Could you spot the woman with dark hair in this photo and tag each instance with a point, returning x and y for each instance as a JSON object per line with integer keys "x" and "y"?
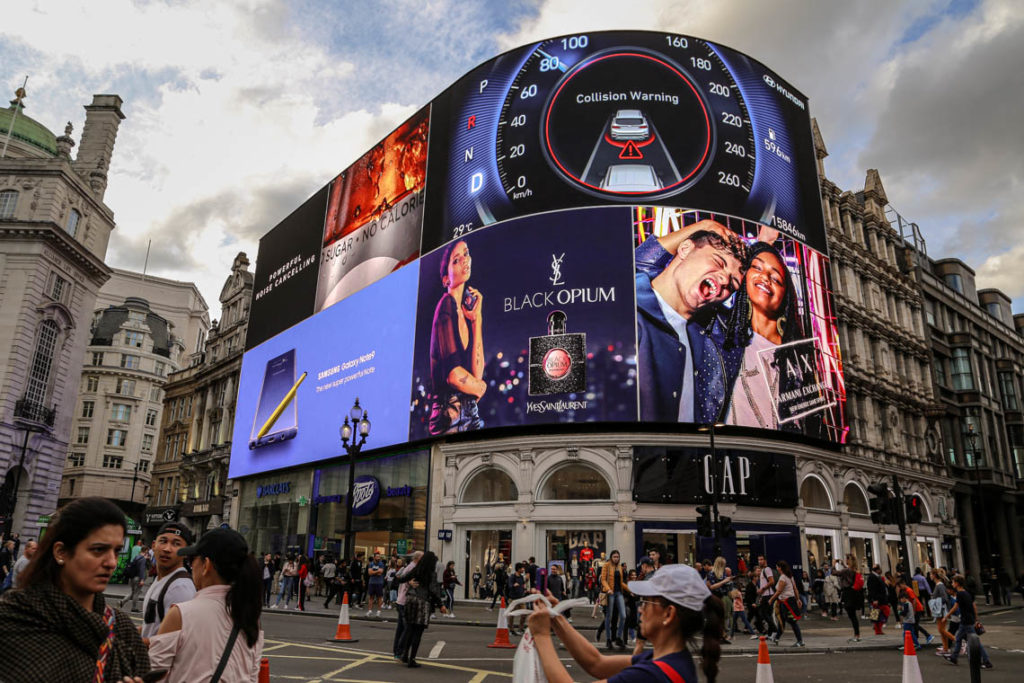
{"x": 198, "y": 639}
{"x": 764, "y": 315}
{"x": 787, "y": 600}
{"x": 456, "y": 348}
{"x": 55, "y": 625}
{"x": 674, "y": 607}
{"x": 424, "y": 597}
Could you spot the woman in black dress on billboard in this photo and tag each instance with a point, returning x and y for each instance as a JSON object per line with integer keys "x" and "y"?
{"x": 456, "y": 347}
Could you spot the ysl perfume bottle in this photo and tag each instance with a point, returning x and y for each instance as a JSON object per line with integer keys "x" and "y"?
{"x": 558, "y": 361}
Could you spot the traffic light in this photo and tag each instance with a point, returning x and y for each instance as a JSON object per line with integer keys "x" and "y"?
{"x": 914, "y": 510}
{"x": 725, "y": 529}
{"x": 881, "y": 504}
{"x": 704, "y": 521}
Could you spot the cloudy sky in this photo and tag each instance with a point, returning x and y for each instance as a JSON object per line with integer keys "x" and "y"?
{"x": 237, "y": 111}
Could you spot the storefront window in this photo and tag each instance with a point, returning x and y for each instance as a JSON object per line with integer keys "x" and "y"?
{"x": 673, "y": 547}
{"x": 819, "y": 551}
{"x": 855, "y": 502}
{"x": 274, "y": 515}
{"x": 863, "y": 551}
{"x": 490, "y": 486}
{"x": 576, "y": 482}
{"x": 483, "y": 549}
{"x": 814, "y": 495}
{"x": 395, "y": 524}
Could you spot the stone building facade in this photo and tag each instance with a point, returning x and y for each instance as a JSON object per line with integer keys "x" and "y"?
{"x": 137, "y": 341}
{"x": 189, "y": 480}
{"x": 977, "y": 357}
{"x": 54, "y": 230}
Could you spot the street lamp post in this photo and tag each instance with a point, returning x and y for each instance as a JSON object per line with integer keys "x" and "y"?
{"x": 716, "y": 526}
{"x": 972, "y": 436}
{"x": 135, "y": 478}
{"x": 11, "y": 505}
{"x": 352, "y": 447}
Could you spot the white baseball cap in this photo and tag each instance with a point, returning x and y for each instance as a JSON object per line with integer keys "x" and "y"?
{"x": 678, "y": 583}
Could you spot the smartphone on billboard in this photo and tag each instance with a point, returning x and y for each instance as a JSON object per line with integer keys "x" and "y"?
{"x": 276, "y": 413}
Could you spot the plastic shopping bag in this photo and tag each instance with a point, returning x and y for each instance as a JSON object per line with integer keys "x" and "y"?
{"x": 526, "y": 666}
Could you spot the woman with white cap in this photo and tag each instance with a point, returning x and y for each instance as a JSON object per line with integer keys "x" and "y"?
{"x": 674, "y": 606}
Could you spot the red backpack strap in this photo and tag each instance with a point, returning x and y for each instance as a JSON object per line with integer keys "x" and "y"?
{"x": 672, "y": 674}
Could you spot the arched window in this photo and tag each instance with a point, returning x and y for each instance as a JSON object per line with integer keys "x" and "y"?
{"x": 814, "y": 495}
{"x": 855, "y": 501}
{"x": 490, "y": 486}
{"x": 576, "y": 482}
{"x": 73, "y": 218}
{"x": 42, "y": 363}
{"x": 8, "y": 201}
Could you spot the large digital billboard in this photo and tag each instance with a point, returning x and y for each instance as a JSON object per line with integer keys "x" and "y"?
{"x": 613, "y": 227}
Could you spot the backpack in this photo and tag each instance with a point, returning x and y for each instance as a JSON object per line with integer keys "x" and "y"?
{"x": 858, "y": 582}
{"x": 180, "y": 573}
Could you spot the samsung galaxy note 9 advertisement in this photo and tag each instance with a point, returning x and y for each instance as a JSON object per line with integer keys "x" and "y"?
{"x": 613, "y": 227}
{"x": 297, "y": 388}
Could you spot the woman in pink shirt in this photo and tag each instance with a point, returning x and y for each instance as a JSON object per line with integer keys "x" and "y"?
{"x": 216, "y": 636}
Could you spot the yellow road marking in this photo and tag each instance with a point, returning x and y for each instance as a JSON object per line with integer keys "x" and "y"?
{"x": 352, "y": 665}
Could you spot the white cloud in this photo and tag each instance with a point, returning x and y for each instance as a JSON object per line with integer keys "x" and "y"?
{"x": 222, "y": 101}
{"x": 237, "y": 111}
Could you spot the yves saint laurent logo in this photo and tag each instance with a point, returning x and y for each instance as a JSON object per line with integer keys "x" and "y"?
{"x": 556, "y": 270}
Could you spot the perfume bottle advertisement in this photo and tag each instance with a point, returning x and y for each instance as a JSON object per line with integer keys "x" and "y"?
{"x": 296, "y": 388}
{"x": 734, "y": 325}
{"x": 530, "y": 322}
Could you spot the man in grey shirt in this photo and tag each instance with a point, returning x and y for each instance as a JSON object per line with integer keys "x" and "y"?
{"x": 173, "y": 582}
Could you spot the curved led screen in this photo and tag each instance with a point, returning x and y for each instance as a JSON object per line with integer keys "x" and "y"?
{"x": 605, "y": 227}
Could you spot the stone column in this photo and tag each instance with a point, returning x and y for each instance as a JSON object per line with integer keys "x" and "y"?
{"x": 1005, "y": 549}
{"x": 970, "y": 536}
{"x": 1018, "y": 542}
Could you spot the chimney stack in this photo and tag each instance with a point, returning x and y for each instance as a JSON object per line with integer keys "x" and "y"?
{"x": 102, "y": 119}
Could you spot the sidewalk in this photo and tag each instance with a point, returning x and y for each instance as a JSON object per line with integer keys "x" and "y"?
{"x": 820, "y": 635}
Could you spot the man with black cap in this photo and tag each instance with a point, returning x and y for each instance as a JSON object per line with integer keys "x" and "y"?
{"x": 173, "y": 583}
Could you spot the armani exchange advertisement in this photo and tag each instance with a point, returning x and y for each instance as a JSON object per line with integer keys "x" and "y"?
{"x": 611, "y": 227}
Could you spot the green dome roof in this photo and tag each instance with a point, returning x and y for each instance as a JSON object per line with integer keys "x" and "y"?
{"x": 27, "y": 130}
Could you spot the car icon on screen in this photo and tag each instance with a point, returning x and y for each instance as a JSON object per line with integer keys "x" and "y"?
{"x": 630, "y": 124}
{"x": 630, "y": 178}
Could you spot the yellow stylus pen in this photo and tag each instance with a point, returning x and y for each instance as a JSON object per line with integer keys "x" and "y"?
{"x": 280, "y": 408}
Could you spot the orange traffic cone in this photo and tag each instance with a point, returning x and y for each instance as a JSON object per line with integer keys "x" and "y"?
{"x": 264, "y": 671}
{"x": 911, "y": 667}
{"x": 501, "y": 635}
{"x": 764, "y": 664}
{"x": 343, "y": 634}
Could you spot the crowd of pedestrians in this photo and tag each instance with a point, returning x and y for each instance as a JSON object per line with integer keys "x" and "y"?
{"x": 201, "y": 610}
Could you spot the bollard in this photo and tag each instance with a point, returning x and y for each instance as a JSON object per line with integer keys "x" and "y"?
{"x": 974, "y": 656}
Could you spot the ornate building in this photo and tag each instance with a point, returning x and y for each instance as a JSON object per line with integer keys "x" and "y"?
{"x": 54, "y": 229}
{"x": 189, "y": 479}
{"x": 977, "y": 353}
{"x": 136, "y": 343}
{"x": 893, "y": 420}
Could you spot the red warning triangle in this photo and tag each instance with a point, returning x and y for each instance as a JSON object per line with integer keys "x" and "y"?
{"x": 631, "y": 151}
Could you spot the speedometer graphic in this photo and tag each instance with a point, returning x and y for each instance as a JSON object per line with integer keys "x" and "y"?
{"x": 620, "y": 117}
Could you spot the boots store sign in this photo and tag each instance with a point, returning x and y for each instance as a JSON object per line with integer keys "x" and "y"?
{"x": 687, "y": 475}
